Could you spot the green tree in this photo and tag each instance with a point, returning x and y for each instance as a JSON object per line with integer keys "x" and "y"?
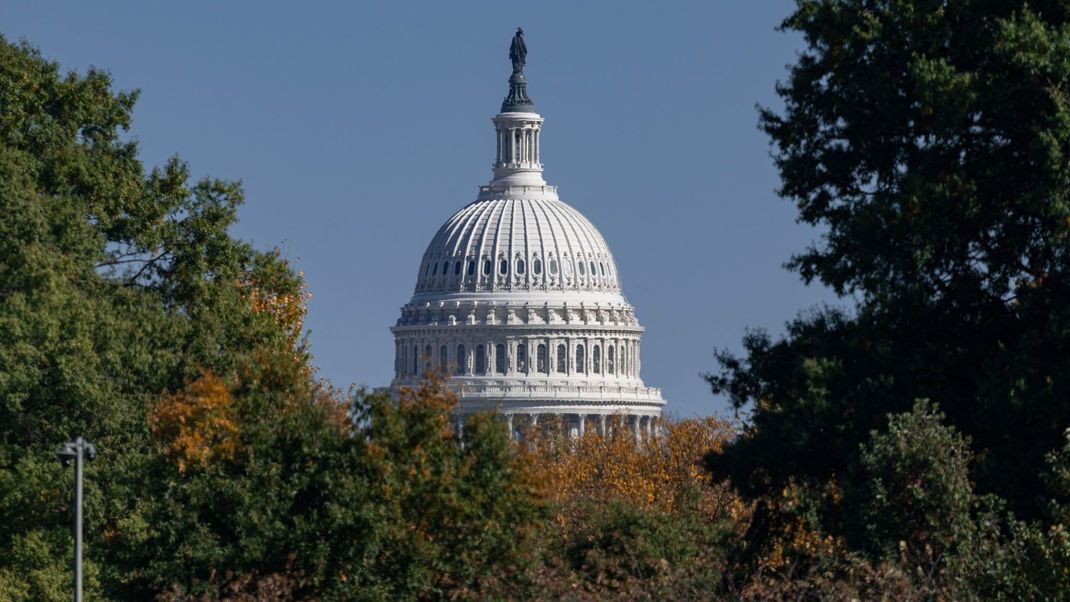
{"x": 928, "y": 141}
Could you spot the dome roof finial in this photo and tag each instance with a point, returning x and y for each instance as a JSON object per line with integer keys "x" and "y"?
{"x": 517, "y": 101}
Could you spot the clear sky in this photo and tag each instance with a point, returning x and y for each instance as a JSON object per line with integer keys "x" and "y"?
{"x": 359, "y": 128}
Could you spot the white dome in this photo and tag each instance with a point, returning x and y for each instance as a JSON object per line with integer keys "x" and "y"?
{"x": 518, "y": 300}
{"x": 517, "y": 244}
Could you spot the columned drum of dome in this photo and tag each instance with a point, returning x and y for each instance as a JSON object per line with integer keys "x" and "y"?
{"x": 518, "y": 299}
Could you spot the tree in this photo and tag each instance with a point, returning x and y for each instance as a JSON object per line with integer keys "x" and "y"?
{"x": 928, "y": 141}
{"x": 117, "y": 286}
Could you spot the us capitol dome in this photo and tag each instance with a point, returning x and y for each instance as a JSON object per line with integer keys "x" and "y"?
{"x": 518, "y": 298}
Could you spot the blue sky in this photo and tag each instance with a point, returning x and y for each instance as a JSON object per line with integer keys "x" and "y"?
{"x": 358, "y": 128}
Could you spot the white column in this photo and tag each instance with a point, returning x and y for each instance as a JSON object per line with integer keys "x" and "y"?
{"x": 583, "y": 419}
{"x": 509, "y": 424}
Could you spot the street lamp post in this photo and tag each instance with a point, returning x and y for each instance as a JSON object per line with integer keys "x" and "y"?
{"x": 77, "y": 451}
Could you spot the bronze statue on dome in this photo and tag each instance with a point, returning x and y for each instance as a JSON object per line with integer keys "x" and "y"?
{"x": 518, "y": 51}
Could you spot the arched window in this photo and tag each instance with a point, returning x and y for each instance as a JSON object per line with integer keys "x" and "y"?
{"x": 536, "y": 267}
{"x": 443, "y": 360}
{"x": 609, "y": 359}
{"x": 519, "y": 266}
{"x": 404, "y": 360}
{"x": 427, "y": 270}
{"x": 580, "y": 266}
{"x": 596, "y": 360}
{"x": 434, "y": 269}
{"x": 471, "y": 267}
{"x": 457, "y": 268}
{"x": 562, "y": 359}
{"x": 462, "y": 360}
{"x": 499, "y": 358}
{"x": 522, "y": 357}
{"x": 428, "y": 358}
{"x": 581, "y": 359}
{"x": 602, "y": 268}
{"x": 593, "y": 272}
{"x": 624, "y": 361}
{"x": 503, "y": 266}
{"x": 445, "y": 267}
{"x": 542, "y": 362}
{"x": 553, "y": 267}
{"x": 486, "y": 267}
{"x": 415, "y": 360}
{"x": 566, "y": 268}
{"x": 481, "y": 360}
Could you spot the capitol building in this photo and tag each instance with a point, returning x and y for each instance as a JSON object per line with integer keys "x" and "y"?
{"x": 518, "y": 299}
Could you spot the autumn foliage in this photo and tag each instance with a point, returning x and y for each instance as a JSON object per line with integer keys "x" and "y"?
{"x": 657, "y": 473}
{"x": 198, "y": 424}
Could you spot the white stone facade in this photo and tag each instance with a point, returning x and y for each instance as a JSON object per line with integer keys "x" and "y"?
{"x": 518, "y": 301}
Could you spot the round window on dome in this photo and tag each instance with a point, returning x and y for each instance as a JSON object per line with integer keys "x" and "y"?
{"x": 553, "y": 266}
{"x": 520, "y": 266}
{"x": 471, "y": 267}
{"x": 593, "y": 271}
{"x": 602, "y": 268}
{"x": 503, "y": 267}
{"x": 567, "y": 267}
{"x": 580, "y": 266}
{"x": 536, "y": 267}
{"x": 457, "y": 268}
{"x": 486, "y": 267}
{"x": 445, "y": 267}
{"x": 434, "y": 270}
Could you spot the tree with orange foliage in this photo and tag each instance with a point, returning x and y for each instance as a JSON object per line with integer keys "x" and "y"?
{"x": 631, "y": 519}
{"x": 197, "y": 425}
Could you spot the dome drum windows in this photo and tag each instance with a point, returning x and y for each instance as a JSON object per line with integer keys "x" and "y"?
{"x": 462, "y": 360}
{"x": 536, "y": 267}
{"x": 520, "y": 266}
{"x": 443, "y": 360}
{"x": 503, "y": 267}
{"x": 481, "y": 359}
{"x": 542, "y": 361}
{"x": 609, "y": 359}
{"x": 562, "y": 359}
{"x": 499, "y": 358}
{"x": 596, "y": 360}
{"x": 522, "y": 357}
{"x": 581, "y": 359}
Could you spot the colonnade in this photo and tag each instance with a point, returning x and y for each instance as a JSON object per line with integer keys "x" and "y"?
{"x": 518, "y": 146}
{"x": 519, "y": 357}
{"x": 576, "y": 425}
